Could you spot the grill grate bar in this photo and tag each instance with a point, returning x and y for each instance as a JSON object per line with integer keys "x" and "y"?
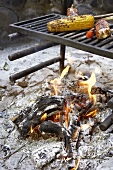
{"x": 39, "y": 19}
{"x": 106, "y": 41}
{"x": 37, "y": 23}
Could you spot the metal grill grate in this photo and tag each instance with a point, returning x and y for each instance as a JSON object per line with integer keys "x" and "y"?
{"x": 38, "y": 27}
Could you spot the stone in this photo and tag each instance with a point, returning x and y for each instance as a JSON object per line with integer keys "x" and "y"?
{"x": 7, "y": 17}
{"x": 84, "y": 9}
{"x": 18, "y": 4}
{"x": 108, "y": 5}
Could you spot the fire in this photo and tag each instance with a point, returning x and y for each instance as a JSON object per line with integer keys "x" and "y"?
{"x": 77, "y": 163}
{"x": 88, "y": 85}
{"x": 92, "y": 113}
{"x": 57, "y": 81}
{"x": 31, "y": 129}
{"x": 44, "y": 117}
{"x": 67, "y": 110}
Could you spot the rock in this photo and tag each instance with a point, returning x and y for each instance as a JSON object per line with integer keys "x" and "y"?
{"x": 22, "y": 84}
{"x": 84, "y": 9}
{"x": 108, "y": 5}
{"x": 2, "y": 107}
{"x": 18, "y": 4}
{"x": 7, "y": 17}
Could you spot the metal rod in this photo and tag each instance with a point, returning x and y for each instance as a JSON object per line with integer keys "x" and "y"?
{"x": 107, "y": 123}
{"x": 33, "y": 69}
{"x": 65, "y": 5}
{"x": 62, "y": 57}
{"x": 15, "y": 36}
{"x": 103, "y": 15}
{"x": 30, "y": 50}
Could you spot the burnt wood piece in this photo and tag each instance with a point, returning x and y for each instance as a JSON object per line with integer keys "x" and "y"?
{"x": 51, "y": 127}
{"x": 30, "y": 50}
{"x": 99, "y": 90}
{"x": 86, "y": 109}
{"x": 107, "y": 123}
{"x": 33, "y": 69}
{"x": 46, "y": 104}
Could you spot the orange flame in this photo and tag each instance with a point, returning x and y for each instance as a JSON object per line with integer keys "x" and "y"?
{"x": 57, "y": 81}
{"x": 92, "y": 113}
{"x": 31, "y": 129}
{"x": 77, "y": 163}
{"x": 89, "y": 83}
{"x": 67, "y": 111}
{"x": 44, "y": 117}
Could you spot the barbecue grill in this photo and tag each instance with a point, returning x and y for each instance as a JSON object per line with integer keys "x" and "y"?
{"x": 37, "y": 27}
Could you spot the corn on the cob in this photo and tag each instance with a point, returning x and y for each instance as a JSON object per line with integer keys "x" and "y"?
{"x": 71, "y": 23}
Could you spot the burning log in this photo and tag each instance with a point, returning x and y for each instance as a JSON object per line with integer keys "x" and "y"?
{"x": 43, "y": 108}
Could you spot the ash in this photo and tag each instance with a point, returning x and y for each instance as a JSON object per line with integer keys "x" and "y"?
{"x": 93, "y": 147}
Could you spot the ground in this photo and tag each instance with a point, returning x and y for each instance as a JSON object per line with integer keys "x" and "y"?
{"x": 16, "y": 95}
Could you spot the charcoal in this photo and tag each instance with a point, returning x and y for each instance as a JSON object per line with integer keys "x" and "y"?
{"x": 51, "y": 127}
{"x": 32, "y": 116}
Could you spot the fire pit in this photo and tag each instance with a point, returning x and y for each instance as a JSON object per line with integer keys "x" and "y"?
{"x": 72, "y": 114}
{"x": 77, "y": 115}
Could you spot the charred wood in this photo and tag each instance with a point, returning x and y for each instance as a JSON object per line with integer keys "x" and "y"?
{"x": 51, "y": 127}
{"x": 32, "y": 117}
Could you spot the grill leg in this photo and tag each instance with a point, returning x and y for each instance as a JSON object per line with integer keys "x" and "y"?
{"x": 62, "y": 57}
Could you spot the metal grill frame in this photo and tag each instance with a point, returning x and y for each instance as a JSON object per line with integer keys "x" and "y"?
{"x": 37, "y": 27}
{"x": 75, "y": 39}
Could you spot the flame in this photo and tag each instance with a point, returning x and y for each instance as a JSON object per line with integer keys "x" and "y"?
{"x": 57, "y": 81}
{"x": 75, "y": 134}
{"x": 64, "y": 72}
{"x": 67, "y": 111}
{"x": 88, "y": 84}
{"x": 44, "y": 117}
{"x": 92, "y": 113}
{"x": 31, "y": 129}
{"x": 77, "y": 163}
